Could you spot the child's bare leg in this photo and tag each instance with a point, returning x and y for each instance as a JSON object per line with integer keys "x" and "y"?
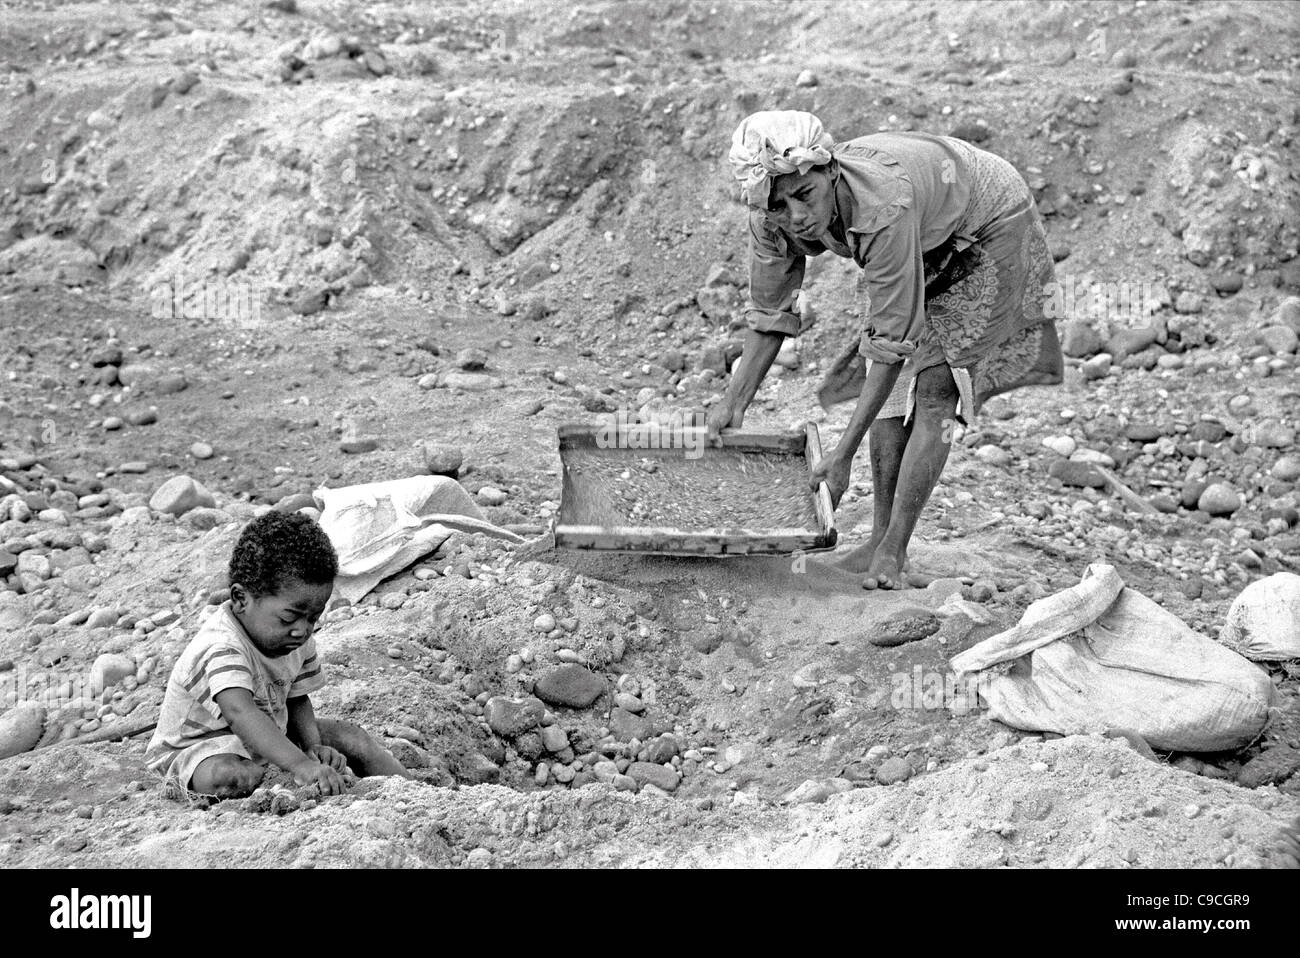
{"x": 886, "y": 441}
{"x": 923, "y": 462}
{"x": 227, "y": 776}
{"x": 365, "y": 755}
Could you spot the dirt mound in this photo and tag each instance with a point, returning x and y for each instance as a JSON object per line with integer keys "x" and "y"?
{"x": 1078, "y": 802}
{"x": 302, "y": 184}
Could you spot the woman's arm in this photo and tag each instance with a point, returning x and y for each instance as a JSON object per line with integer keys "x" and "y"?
{"x": 893, "y": 276}
{"x": 836, "y": 468}
{"x": 875, "y": 390}
{"x": 776, "y": 273}
{"x": 759, "y": 353}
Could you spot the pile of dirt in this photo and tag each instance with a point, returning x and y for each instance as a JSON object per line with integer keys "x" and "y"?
{"x": 1079, "y": 802}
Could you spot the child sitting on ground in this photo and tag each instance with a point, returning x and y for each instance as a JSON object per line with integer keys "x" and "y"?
{"x": 238, "y": 696}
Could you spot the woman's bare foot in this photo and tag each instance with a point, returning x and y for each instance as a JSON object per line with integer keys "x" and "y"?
{"x": 860, "y": 559}
{"x": 886, "y": 572}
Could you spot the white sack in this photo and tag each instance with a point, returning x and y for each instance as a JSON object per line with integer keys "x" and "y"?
{"x": 1264, "y": 621}
{"x": 1133, "y": 665}
{"x": 380, "y": 528}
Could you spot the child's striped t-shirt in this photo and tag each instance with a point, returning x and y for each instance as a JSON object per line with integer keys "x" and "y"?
{"x": 221, "y": 656}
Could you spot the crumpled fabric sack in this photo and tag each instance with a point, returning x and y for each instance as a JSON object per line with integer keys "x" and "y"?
{"x": 1102, "y": 656}
{"x": 1263, "y": 622}
{"x": 380, "y": 528}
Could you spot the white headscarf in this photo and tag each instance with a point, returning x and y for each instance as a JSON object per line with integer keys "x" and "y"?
{"x": 773, "y": 143}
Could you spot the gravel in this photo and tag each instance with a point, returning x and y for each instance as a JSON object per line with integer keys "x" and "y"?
{"x": 722, "y": 489}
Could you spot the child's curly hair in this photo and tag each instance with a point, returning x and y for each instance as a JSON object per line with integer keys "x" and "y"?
{"x": 279, "y": 547}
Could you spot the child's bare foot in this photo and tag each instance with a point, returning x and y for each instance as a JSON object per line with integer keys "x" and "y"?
{"x": 366, "y": 757}
{"x": 227, "y": 776}
{"x": 885, "y": 572}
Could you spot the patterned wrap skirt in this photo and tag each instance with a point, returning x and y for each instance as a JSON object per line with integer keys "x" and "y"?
{"x": 984, "y": 300}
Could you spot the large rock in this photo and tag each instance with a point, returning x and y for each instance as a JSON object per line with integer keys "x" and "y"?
{"x": 1207, "y": 430}
{"x": 103, "y": 618}
{"x": 170, "y": 383}
{"x": 569, "y": 685}
{"x": 109, "y": 669}
{"x": 137, "y": 374}
{"x": 893, "y": 770}
{"x": 1286, "y": 469}
{"x": 720, "y": 274}
{"x": 1192, "y": 490}
{"x": 471, "y": 382}
{"x": 1142, "y": 432}
{"x": 706, "y": 639}
{"x": 106, "y": 356}
{"x": 717, "y": 302}
{"x": 661, "y": 750}
{"x": 20, "y": 729}
{"x": 1263, "y": 622}
{"x": 358, "y": 446}
{"x": 1097, "y": 367}
{"x": 295, "y": 501}
{"x": 203, "y": 518}
{"x": 442, "y": 460}
{"x": 35, "y": 564}
{"x": 1226, "y": 282}
{"x": 179, "y": 494}
{"x": 554, "y": 738}
{"x": 13, "y": 611}
{"x": 1080, "y": 340}
{"x": 1129, "y": 342}
{"x": 1080, "y": 475}
{"x": 647, "y": 773}
{"x": 1274, "y": 435}
{"x": 625, "y": 726}
{"x": 1281, "y": 340}
{"x": 1219, "y": 499}
{"x": 475, "y": 769}
{"x": 509, "y": 717}
{"x": 311, "y": 300}
{"x": 1189, "y": 330}
{"x": 472, "y": 359}
{"x": 814, "y": 792}
{"x": 1061, "y": 445}
{"x": 1288, "y": 313}
{"x": 1272, "y": 765}
{"x": 905, "y": 625}
{"x": 529, "y": 746}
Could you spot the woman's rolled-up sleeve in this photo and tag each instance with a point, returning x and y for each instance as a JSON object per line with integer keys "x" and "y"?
{"x": 894, "y": 279}
{"x": 775, "y": 276}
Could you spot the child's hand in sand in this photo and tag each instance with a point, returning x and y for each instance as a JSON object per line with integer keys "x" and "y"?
{"x": 312, "y": 772}
{"x": 329, "y": 756}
